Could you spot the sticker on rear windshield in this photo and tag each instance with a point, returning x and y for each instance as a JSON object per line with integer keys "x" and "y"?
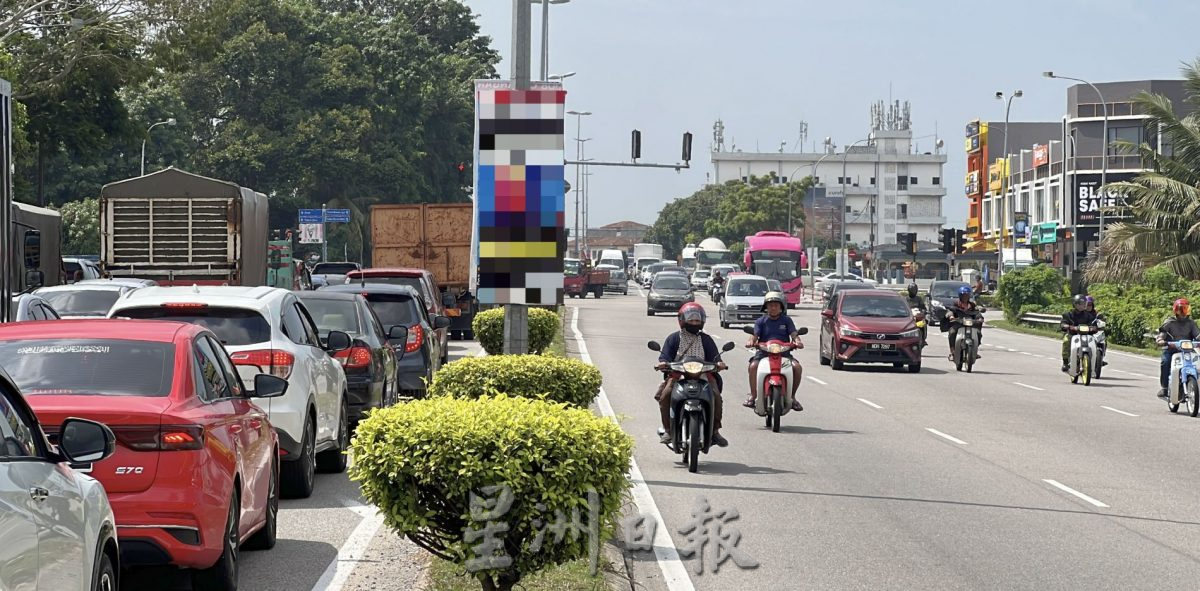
{"x": 63, "y": 349}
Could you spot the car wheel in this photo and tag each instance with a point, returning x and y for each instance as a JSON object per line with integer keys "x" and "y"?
{"x": 649, "y": 312}
{"x": 223, "y": 575}
{"x": 334, "y": 461}
{"x": 914, "y": 368}
{"x": 297, "y": 475}
{"x": 106, "y": 575}
{"x": 264, "y": 539}
{"x": 837, "y": 364}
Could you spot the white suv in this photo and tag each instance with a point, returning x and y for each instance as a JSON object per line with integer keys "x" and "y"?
{"x": 268, "y": 330}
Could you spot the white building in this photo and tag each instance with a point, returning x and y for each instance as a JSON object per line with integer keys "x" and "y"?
{"x": 888, "y": 188}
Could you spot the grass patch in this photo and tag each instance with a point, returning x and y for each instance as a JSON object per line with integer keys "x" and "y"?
{"x": 558, "y": 347}
{"x": 1054, "y": 334}
{"x": 572, "y": 576}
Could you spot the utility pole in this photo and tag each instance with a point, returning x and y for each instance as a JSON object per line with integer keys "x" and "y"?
{"x": 516, "y": 316}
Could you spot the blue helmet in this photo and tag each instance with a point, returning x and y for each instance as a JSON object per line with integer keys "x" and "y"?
{"x": 964, "y": 291}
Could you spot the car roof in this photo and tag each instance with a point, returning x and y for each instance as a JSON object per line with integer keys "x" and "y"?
{"x": 165, "y": 331}
{"x": 359, "y": 288}
{"x": 81, "y": 286}
{"x": 127, "y": 281}
{"x": 401, "y": 271}
{"x": 328, "y": 294}
{"x": 743, "y": 277}
{"x": 257, "y": 298}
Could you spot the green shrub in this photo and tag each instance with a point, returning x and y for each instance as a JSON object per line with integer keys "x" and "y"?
{"x": 420, "y": 461}
{"x": 555, "y": 379}
{"x": 489, "y": 329}
{"x": 1037, "y": 284}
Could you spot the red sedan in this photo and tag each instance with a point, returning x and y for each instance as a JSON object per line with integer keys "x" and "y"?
{"x": 196, "y": 472}
{"x": 869, "y": 326}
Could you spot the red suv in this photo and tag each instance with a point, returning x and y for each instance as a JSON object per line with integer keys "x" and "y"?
{"x": 195, "y": 474}
{"x": 869, "y": 326}
{"x": 420, "y": 280}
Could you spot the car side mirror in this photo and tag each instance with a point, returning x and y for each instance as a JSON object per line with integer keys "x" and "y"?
{"x": 748, "y": 329}
{"x": 269, "y": 386}
{"x": 82, "y": 441}
{"x": 653, "y": 346}
{"x": 337, "y": 341}
{"x": 728, "y": 346}
{"x": 827, "y": 313}
{"x": 803, "y": 330}
{"x": 441, "y": 321}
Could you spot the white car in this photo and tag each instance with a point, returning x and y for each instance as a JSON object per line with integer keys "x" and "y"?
{"x": 268, "y": 330}
{"x": 88, "y": 269}
{"x": 700, "y": 279}
{"x": 26, "y": 307}
{"x": 85, "y": 299}
{"x": 743, "y": 299}
{"x": 59, "y": 530}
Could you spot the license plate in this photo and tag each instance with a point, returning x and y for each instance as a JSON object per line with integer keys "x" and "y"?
{"x": 881, "y": 346}
{"x": 747, "y": 316}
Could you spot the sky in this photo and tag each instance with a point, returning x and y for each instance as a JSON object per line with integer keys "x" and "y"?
{"x": 763, "y": 66}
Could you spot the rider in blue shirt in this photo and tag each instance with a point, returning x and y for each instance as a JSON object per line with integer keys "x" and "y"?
{"x": 774, "y": 326}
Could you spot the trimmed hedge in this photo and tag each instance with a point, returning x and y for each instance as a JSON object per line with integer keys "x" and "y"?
{"x": 1037, "y": 285}
{"x": 489, "y": 329}
{"x": 419, "y": 462}
{"x": 555, "y": 379}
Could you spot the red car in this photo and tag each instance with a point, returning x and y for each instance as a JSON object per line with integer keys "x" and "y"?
{"x": 869, "y": 326}
{"x": 195, "y": 474}
{"x": 421, "y": 280}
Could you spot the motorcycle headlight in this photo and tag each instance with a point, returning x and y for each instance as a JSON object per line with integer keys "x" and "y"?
{"x": 775, "y": 348}
{"x": 968, "y": 323}
{"x": 1187, "y": 346}
{"x": 693, "y": 367}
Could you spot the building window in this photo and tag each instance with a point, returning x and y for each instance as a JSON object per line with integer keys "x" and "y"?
{"x": 848, "y": 238}
{"x": 848, "y": 210}
{"x": 1054, "y": 202}
{"x": 937, "y": 180}
{"x": 902, "y": 211}
{"x": 1127, "y": 134}
{"x": 912, "y": 180}
{"x": 902, "y": 183}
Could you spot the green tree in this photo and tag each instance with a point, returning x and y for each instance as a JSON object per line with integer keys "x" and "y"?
{"x": 1165, "y": 201}
{"x": 81, "y": 226}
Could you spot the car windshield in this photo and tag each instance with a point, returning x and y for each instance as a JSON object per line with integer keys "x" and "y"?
{"x": 90, "y": 366}
{"x": 701, "y": 274}
{"x": 334, "y": 268}
{"x": 83, "y": 302}
{"x": 676, "y": 282}
{"x": 234, "y": 327}
{"x": 748, "y": 288}
{"x": 880, "y": 306}
{"x": 946, "y": 291}
{"x": 393, "y": 309}
{"x": 334, "y": 315}
{"x": 572, "y": 267}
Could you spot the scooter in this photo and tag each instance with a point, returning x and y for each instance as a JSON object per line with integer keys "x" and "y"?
{"x": 715, "y": 290}
{"x": 774, "y": 380}
{"x": 966, "y": 345}
{"x": 1184, "y": 383}
{"x": 1101, "y": 346}
{"x": 922, "y": 325}
{"x": 692, "y": 405}
{"x": 1083, "y": 353}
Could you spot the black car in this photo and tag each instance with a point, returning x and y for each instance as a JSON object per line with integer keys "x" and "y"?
{"x": 942, "y": 295}
{"x": 668, "y": 292}
{"x": 401, "y": 305}
{"x": 370, "y": 363}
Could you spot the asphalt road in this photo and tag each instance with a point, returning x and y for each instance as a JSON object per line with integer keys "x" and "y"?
{"x": 1006, "y": 478}
{"x": 327, "y": 542}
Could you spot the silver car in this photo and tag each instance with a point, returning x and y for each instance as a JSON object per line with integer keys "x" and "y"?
{"x": 26, "y": 307}
{"x": 743, "y": 299}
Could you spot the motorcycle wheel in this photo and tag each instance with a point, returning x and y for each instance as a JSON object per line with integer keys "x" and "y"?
{"x": 1099, "y": 364}
{"x": 693, "y": 450}
{"x": 958, "y": 361}
{"x": 776, "y": 409}
{"x": 1193, "y": 397}
{"x": 1085, "y": 369}
{"x": 969, "y": 353}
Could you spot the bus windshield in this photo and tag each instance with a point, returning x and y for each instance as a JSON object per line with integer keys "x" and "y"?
{"x": 776, "y": 264}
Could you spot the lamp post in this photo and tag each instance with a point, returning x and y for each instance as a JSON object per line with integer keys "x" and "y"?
{"x": 846, "y": 200}
{"x": 546, "y": 34}
{"x": 579, "y": 115}
{"x": 1104, "y": 164}
{"x": 828, "y": 142}
{"x": 1010, "y": 209}
{"x": 169, "y": 121}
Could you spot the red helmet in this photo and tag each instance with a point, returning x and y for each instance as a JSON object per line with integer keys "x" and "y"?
{"x": 691, "y": 311}
{"x": 1182, "y": 307}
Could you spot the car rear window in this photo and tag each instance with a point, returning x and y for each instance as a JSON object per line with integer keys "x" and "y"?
{"x": 334, "y": 268}
{"x": 393, "y": 309}
{"x": 83, "y": 302}
{"x": 333, "y": 315}
{"x": 413, "y": 282}
{"x": 670, "y": 282}
{"x": 90, "y": 366}
{"x": 233, "y": 326}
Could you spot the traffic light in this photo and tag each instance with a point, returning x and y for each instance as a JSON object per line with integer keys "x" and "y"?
{"x": 948, "y": 246}
{"x": 960, "y": 241}
{"x": 687, "y": 147}
{"x": 636, "y": 148}
{"x": 907, "y": 242}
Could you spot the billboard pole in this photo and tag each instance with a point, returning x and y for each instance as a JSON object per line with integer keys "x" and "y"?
{"x": 6, "y": 201}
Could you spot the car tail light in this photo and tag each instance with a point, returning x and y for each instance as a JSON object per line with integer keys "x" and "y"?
{"x": 278, "y": 361}
{"x": 354, "y": 357}
{"x": 416, "y": 336}
{"x": 160, "y": 438}
{"x": 184, "y": 305}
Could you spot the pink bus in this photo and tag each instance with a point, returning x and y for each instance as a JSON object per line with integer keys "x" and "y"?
{"x": 780, "y": 256}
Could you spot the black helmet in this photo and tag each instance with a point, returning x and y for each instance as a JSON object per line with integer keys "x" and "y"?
{"x": 1079, "y": 302}
{"x": 912, "y": 290}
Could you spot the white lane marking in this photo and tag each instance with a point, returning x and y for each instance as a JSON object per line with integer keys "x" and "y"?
{"x": 1012, "y": 350}
{"x": 1067, "y": 489}
{"x": 943, "y": 435}
{"x": 869, "y": 403}
{"x": 352, "y": 550}
{"x": 1140, "y": 375}
{"x": 817, "y": 380}
{"x": 1030, "y": 387}
{"x": 1128, "y": 414}
{"x": 1119, "y": 370}
{"x": 674, "y": 574}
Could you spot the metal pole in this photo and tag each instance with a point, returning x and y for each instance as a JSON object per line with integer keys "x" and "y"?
{"x": 1009, "y": 210}
{"x": 578, "y": 182}
{"x": 545, "y": 38}
{"x": 790, "y": 181}
{"x": 143, "y": 173}
{"x": 845, "y": 198}
{"x": 1104, "y": 165}
{"x": 324, "y": 236}
{"x": 522, "y": 19}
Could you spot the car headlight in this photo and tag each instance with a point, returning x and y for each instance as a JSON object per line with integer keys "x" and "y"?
{"x": 849, "y": 332}
{"x": 937, "y": 304}
{"x": 910, "y": 334}
{"x": 693, "y": 367}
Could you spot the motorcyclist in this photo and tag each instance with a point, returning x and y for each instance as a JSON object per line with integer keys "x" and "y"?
{"x": 690, "y": 341}
{"x": 774, "y": 326}
{"x": 1078, "y": 316}
{"x": 1091, "y": 304}
{"x": 1180, "y": 327}
{"x": 963, "y": 306}
{"x": 919, "y": 304}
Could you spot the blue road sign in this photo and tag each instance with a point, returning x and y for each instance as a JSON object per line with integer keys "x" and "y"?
{"x": 310, "y": 216}
{"x": 337, "y": 215}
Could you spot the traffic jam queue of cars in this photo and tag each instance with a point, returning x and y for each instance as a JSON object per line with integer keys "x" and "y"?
{"x": 118, "y": 396}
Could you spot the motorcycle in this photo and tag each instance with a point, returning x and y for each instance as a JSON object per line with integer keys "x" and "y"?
{"x": 1185, "y": 378}
{"x": 922, "y": 325}
{"x": 774, "y": 379}
{"x": 1083, "y": 353}
{"x": 715, "y": 292}
{"x": 692, "y": 405}
{"x": 966, "y": 344}
{"x": 1101, "y": 345}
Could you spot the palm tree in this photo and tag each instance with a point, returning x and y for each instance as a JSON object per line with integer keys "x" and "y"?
{"x": 1164, "y": 201}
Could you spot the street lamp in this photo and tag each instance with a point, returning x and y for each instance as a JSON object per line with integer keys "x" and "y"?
{"x": 546, "y": 33}
{"x": 170, "y": 121}
{"x": 845, "y": 200}
{"x": 579, "y": 115}
{"x": 561, "y": 77}
{"x": 1011, "y": 207}
{"x": 828, "y": 142}
{"x": 1104, "y": 165}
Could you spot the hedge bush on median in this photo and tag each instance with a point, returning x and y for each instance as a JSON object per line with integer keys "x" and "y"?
{"x": 420, "y": 461}
{"x": 1037, "y": 285}
{"x": 489, "y": 329}
{"x": 555, "y": 379}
